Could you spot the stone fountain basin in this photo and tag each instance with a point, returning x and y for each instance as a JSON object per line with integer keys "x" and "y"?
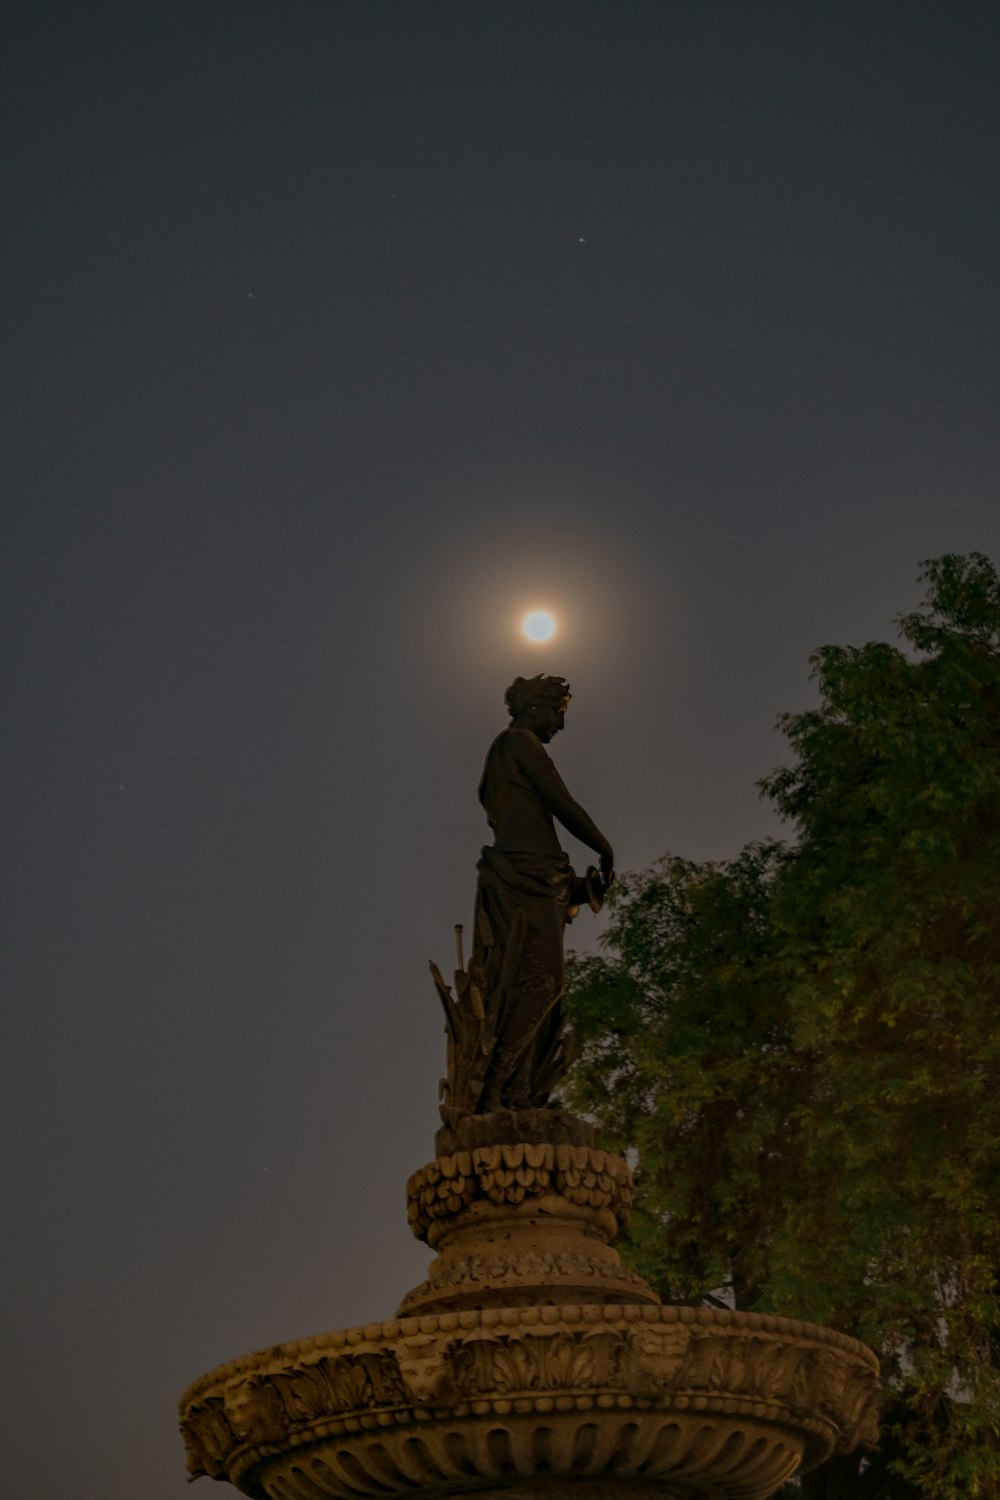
{"x": 623, "y": 1402}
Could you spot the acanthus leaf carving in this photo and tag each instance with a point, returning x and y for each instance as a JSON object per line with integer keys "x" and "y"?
{"x": 382, "y": 1370}
{"x": 326, "y": 1387}
{"x": 209, "y": 1437}
{"x": 859, "y": 1411}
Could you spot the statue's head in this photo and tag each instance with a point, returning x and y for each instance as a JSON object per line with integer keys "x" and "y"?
{"x": 538, "y": 703}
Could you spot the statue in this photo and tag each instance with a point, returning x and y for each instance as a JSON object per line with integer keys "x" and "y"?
{"x": 530, "y": 1362}
{"x": 507, "y": 1042}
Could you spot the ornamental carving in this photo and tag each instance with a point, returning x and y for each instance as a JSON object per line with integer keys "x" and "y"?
{"x": 442, "y": 1396}
{"x": 522, "y": 1222}
{"x": 654, "y": 1356}
{"x": 348, "y": 1383}
{"x": 538, "y": 1268}
{"x": 508, "y": 1175}
{"x": 427, "y": 1368}
{"x": 208, "y": 1436}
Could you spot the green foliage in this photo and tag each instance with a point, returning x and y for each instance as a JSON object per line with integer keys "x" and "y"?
{"x": 801, "y": 1045}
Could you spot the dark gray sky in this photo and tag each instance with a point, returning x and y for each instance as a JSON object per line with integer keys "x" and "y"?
{"x": 335, "y": 334}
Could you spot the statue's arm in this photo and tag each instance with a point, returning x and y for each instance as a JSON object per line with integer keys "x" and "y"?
{"x": 539, "y": 770}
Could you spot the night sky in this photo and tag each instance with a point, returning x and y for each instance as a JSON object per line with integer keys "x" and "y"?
{"x": 336, "y": 335}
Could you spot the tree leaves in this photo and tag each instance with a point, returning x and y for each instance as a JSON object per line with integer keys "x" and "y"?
{"x": 801, "y": 1045}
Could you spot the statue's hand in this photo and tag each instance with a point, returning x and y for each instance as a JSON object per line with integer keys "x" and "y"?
{"x": 607, "y": 867}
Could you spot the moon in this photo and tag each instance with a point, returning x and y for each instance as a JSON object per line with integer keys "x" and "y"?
{"x": 538, "y": 625}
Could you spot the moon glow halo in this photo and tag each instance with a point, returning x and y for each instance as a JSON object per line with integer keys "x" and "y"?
{"x": 538, "y": 625}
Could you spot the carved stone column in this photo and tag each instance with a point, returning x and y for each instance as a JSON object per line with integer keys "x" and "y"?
{"x": 531, "y": 1361}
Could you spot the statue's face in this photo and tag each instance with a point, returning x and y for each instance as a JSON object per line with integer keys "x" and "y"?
{"x": 547, "y": 719}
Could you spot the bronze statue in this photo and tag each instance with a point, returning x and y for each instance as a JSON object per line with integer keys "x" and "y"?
{"x": 507, "y": 1045}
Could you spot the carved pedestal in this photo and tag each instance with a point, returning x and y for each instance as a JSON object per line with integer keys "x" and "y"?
{"x": 522, "y": 1223}
{"x": 531, "y": 1363}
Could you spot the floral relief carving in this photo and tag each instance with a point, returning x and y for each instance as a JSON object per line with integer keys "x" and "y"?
{"x": 540, "y": 1268}
{"x": 577, "y": 1363}
{"x": 209, "y": 1437}
{"x": 384, "y": 1374}
{"x": 349, "y": 1383}
{"x": 828, "y": 1388}
{"x": 570, "y": 1363}
{"x": 769, "y": 1369}
{"x": 488, "y": 1365}
{"x": 804, "y": 1380}
{"x": 858, "y": 1415}
{"x": 647, "y": 1361}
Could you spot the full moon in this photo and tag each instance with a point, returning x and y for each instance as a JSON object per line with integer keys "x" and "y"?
{"x": 539, "y": 625}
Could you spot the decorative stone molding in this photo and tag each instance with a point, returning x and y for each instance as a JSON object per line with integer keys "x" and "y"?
{"x": 515, "y": 1279}
{"x": 640, "y": 1400}
{"x": 514, "y": 1174}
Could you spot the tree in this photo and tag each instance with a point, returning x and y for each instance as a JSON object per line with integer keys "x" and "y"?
{"x": 801, "y": 1045}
